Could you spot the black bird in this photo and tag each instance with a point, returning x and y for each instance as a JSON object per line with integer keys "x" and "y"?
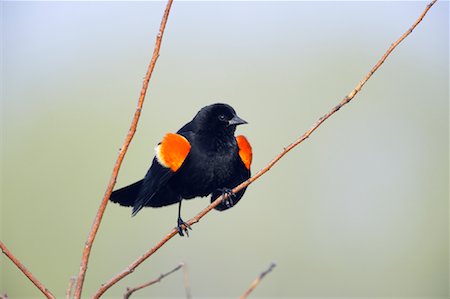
{"x": 202, "y": 158}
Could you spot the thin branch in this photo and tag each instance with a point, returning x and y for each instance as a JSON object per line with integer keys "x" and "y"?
{"x": 287, "y": 149}
{"x": 255, "y": 283}
{"x": 134, "y": 265}
{"x": 70, "y": 287}
{"x": 343, "y": 102}
{"x": 129, "y": 291}
{"x": 187, "y": 287}
{"x": 129, "y": 137}
{"x": 27, "y": 273}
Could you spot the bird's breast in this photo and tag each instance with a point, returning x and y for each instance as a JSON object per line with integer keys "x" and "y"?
{"x": 206, "y": 170}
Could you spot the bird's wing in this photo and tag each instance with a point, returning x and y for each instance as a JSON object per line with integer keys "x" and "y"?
{"x": 245, "y": 150}
{"x": 170, "y": 155}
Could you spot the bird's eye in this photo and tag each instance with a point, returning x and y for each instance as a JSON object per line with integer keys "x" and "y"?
{"x": 222, "y": 117}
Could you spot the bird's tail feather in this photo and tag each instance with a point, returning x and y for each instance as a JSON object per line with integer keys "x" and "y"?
{"x": 127, "y": 196}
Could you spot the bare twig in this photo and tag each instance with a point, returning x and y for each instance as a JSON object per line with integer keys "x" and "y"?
{"x": 70, "y": 287}
{"x": 129, "y": 137}
{"x": 27, "y": 273}
{"x": 130, "y": 291}
{"x": 287, "y": 149}
{"x": 133, "y": 266}
{"x": 255, "y": 283}
{"x": 187, "y": 287}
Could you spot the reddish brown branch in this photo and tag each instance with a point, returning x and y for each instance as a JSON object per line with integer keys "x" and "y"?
{"x": 205, "y": 211}
{"x": 123, "y": 150}
{"x": 255, "y": 283}
{"x": 133, "y": 266}
{"x": 25, "y": 271}
{"x": 130, "y": 291}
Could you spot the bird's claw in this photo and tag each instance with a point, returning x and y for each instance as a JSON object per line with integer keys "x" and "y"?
{"x": 183, "y": 227}
{"x": 228, "y": 200}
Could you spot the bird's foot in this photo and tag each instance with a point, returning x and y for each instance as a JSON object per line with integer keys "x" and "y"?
{"x": 229, "y": 199}
{"x": 183, "y": 227}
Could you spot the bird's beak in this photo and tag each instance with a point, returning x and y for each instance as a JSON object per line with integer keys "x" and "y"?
{"x": 236, "y": 120}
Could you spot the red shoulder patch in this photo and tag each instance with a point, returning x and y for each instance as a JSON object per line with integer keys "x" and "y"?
{"x": 245, "y": 150}
{"x": 172, "y": 151}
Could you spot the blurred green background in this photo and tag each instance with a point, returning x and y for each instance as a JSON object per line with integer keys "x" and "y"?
{"x": 359, "y": 210}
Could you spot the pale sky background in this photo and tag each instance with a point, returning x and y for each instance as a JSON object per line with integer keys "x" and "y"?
{"x": 359, "y": 210}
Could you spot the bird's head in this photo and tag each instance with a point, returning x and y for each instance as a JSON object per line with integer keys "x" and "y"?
{"x": 218, "y": 118}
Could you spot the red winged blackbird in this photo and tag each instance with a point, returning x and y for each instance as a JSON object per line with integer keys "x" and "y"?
{"x": 203, "y": 157}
